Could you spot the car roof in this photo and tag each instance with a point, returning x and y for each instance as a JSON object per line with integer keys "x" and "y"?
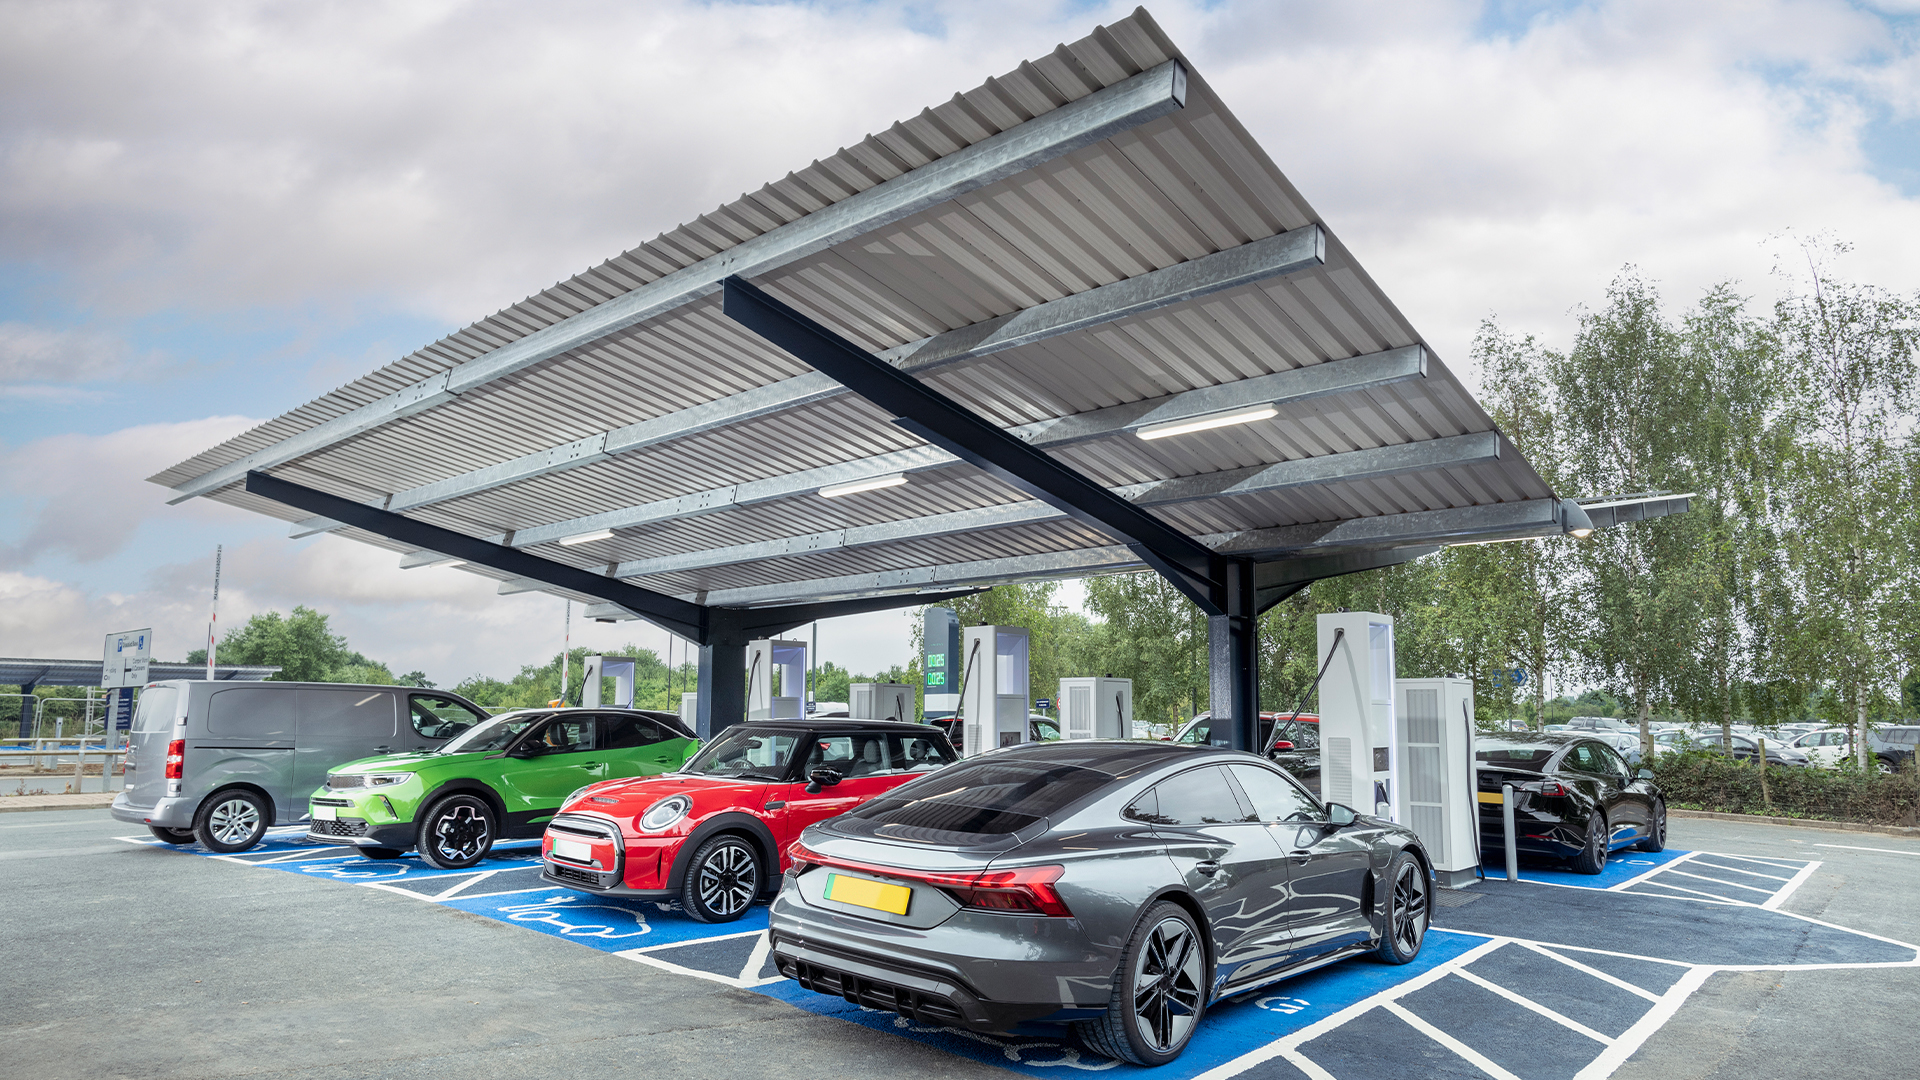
{"x": 810, "y": 723}
{"x": 1514, "y": 740}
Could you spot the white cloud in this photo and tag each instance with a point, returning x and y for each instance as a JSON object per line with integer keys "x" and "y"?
{"x": 83, "y": 496}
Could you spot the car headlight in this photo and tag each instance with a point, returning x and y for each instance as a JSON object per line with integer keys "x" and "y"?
{"x": 664, "y": 813}
{"x": 387, "y": 779}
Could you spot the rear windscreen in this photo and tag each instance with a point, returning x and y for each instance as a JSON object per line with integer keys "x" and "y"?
{"x": 984, "y": 798}
{"x": 1534, "y": 756}
{"x": 155, "y": 713}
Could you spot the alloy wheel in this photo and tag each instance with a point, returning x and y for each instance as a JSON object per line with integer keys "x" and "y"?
{"x": 1408, "y": 923}
{"x": 1167, "y": 982}
{"x": 462, "y": 833}
{"x": 234, "y": 821}
{"x": 729, "y": 879}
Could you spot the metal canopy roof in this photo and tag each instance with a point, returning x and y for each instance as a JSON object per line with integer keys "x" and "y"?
{"x": 25, "y": 671}
{"x": 1082, "y": 248}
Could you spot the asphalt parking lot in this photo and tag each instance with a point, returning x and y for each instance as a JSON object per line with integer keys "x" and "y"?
{"x": 1748, "y": 951}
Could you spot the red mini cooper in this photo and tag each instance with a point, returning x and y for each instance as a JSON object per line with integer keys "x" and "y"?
{"x": 714, "y": 835}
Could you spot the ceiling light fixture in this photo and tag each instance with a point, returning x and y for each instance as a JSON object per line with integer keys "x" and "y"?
{"x": 453, "y": 562}
{"x": 586, "y": 538}
{"x": 1204, "y": 423}
{"x": 834, "y": 491}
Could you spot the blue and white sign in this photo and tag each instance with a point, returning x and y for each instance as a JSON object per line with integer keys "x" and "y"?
{"x": 1042, "y": 704}
{"x": 120, "y": 709}
{"x": 126, "y": 659}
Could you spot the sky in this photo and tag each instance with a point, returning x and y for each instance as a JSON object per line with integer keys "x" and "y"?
{"x": 211, "y": 213}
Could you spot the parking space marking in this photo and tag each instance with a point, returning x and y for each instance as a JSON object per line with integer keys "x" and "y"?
{"x": 749, "y": 977}
{"x": 1749, "y": 873}
{"x": 1656, "y": 1018}
{"x": 1534, "y": 1006}
{"x": 1461, "y": 1050}
{"x": 1704, "y": 897}
{"x": 1595, "y": 972}
{"x": 1622, "y": 887}
{"x": 1729, "y": 884}
{"x": 1845, "y": 847}
{"x": 1799, "y": 879}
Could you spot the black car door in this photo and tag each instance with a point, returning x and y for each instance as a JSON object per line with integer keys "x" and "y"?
{"x": 1592, "y": 765}
{"x": 1228, "y": 861}
{"x": 1635, "y": 804}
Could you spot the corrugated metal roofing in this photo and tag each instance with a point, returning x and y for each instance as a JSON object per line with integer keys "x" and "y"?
{"x": 1159, "y": 195}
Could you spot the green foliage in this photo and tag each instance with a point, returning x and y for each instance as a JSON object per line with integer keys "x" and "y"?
{"x": 655, "y": 686}
{"x": 1701, "y": 780}
{"x": 301, "y": 645}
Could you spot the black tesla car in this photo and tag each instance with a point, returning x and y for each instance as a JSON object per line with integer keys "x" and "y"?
{"x": 1575, "y": 798}
{"x": 1117, "y": 886}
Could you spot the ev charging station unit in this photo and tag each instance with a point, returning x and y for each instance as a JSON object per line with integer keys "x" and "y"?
{"x": 690, "y": 711}
{"x": 1400, "y": 749}
{"x": 1096, "y": 707}
{"x": 620, "y": 669}
{"x": 880, "y": 701}
{"x": 764, "y": 658}
{"x": 993, "y": 687}
{"x": 1438, "y": 791}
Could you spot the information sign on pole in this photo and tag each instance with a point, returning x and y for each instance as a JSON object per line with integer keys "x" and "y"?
{"x": 120, "y": 709}
{"x": 126, "y": 659}
{"x": 1041, "y": 704}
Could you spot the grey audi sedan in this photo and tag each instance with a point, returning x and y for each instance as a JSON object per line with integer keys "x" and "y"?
{"x": 1118, "y": 886}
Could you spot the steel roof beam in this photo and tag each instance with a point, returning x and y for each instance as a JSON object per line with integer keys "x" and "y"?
{"x": 1259, "y": 260}
{"x": 944, "y": 422}
{"x": 1100, "y": 115}
{"x": 1452, "y": 452}
{"x": 1466, "y": 524}
{"x": 922, "y": 580}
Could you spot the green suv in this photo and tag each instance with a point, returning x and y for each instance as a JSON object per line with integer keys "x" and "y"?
{"x": 503, "y": 777}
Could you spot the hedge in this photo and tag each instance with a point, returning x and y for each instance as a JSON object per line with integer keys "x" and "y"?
{"x": 1702, "y": 780}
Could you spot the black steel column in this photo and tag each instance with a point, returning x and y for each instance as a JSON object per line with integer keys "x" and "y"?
{"x": 26, "y": 710}
{"x": 1233, "y": 663}
{"x": 722, "y": 687}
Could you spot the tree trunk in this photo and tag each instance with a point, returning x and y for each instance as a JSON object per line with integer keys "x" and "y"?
{"x": 1861, "y": 756}
{"x": 1646, "y": 726}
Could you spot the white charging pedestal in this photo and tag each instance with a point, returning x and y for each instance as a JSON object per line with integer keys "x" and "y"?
{"x": 993, "y": 687}
{"x": 1357, "y": 766}
{"x": 690, "y": 711}
{"x": 764, "y": 658}
{"x": 620, "y": 669}
{"x": 1093, "y": 707}
{"x": 880, "y": 701}
{"x": 1439, "y": 795}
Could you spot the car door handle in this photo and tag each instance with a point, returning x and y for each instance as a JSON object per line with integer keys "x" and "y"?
{"x": 1300, "y": 856}
{"x": 588, "y": 765}
{"x": 1208, "y": 867}
{"x": 776, "y": 804}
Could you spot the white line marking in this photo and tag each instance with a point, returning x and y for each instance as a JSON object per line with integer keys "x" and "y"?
{"x": 758, "y": 958}
{"x": 1528, "y": 1003}
{"x": 1300, "y": 1061}
{"x": 1784, "y": 864}
{"x": 1711, "y": 898}
{"x": 474, "y": 880}
{"x": 1462, "y": 1050}
{"x": 1642, "y": 877}
{"x": 1288, "y": 1046}
{"x": 640, "y": 956}
{"x": 1614, "y": 1056}
{"x": 1749, "y": 873}
{"x": 1728, "y": 884}
{"x": 1786, "y": 890}
{"x": 1595, "y": 972}
{"x": 1846, "y": 847}
{"x": 690, "y": 941}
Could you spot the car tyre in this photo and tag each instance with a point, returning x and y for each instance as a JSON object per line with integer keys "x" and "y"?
{"x": 231, "y": 821}
{"x": 379, "y": 853}
{"x": 1656, "y": 835}
{"x": 171, "y": 836}
{"x": 1159, "y": 992}
{"x": 723, "y": 879}
{"x": 1593, "y": 856}
{"x": 456, "y": 833}
{"x": 1409, "y": 910}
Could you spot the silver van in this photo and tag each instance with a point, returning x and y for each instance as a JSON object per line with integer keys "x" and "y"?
{"x": 220, "y": 762}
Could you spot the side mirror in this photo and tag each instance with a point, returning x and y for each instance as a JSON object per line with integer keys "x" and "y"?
{"x": 1643, "y": 774}
{"x": 1283, "y": 745}
{"x": 1340, "y": 816}
{"x": 526, "y": 750}
{"x": 820, "y": 778}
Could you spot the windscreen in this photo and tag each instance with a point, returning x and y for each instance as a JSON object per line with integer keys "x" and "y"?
{"x": 492, "y": 736}
{"x": 747, "y": 752}
{"x": 155, "y": 713}
{"x": 984, "y": 797}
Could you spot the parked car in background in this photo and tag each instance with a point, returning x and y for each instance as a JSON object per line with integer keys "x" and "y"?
{"x": 1575, "y": 798}
{"x": 1627, "y": 745}
{"x": 1825, "y": 746}
{"x": 1122, "y": 886}
{"x": 1894, "y": 745}
{"x": 1601, "y": 723}
{"x": 502, "y": 778}
{"x": 221, "y": 762}
{"x": 1745, "y": 747}
{"x": 1291, "y": 742}
{"x": 714, "y": 835}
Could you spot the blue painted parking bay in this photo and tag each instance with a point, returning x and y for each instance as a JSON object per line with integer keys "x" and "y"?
{"x": 1559, "y": 976}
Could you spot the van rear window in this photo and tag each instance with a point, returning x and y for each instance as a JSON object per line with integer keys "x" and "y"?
{"x": 155, "y": 711}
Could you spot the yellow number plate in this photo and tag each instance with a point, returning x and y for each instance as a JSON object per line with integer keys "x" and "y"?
{"x": 1490, "y": 797}
{"x": 877, "y": 895}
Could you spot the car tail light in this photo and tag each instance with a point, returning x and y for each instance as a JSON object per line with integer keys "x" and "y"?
{"x": 1026, "y": 890}
{"x": 1554, "y": 789}
{"x": 176, "y": 759}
